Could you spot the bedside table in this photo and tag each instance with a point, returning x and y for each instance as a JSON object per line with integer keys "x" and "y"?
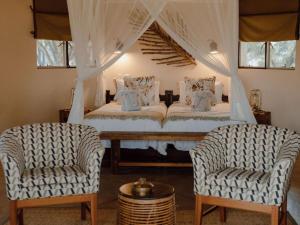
{"x": 64, "y": 114}
{"x": 262, "y": 117}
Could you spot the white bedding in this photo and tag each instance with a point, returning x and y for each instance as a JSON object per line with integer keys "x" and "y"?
{"x": 195, "y": 123}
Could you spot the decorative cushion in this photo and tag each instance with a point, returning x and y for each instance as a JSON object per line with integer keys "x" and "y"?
{"x": 239, "y": 178}
{"x": 218, "y": 91}
{"x": 130, "y": 100}
{"x": 145, "y": 87}
{"x": 52, "y": 175}
{"x": 202, "y": 101}
{"x": 192, "y": 85}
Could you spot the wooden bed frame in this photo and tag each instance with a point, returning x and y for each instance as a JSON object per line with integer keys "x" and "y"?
{"x": 116, "y": 137}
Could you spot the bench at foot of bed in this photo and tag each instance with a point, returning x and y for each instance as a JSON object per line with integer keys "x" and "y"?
{"x": 117, "y": 137}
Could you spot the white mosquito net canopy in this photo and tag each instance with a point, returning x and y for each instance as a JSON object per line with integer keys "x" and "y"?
{"x": 100, "y": 28}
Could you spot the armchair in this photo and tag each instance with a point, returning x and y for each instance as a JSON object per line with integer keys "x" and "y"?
{"x": 245, "y": 166}
{"x": 51, "y": 163}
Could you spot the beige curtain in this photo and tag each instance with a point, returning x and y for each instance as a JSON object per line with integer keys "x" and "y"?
{"x": 269, "y": 20}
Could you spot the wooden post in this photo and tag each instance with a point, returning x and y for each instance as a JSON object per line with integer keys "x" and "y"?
{"x": 83, "y": 211}
{"x": 283, "y": 220}
{"x": 20, "y": 217}
{"x": 198, "y": 211}
{"x": 115, "y": 155}
{"x": 94, "y": 209}
{"x": 275, "y": 215}
{"x": 222, "y": 214}
{"x": 13, "y": 212}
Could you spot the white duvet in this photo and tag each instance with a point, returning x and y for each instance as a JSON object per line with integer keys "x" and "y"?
{"x": 195, "y": 123}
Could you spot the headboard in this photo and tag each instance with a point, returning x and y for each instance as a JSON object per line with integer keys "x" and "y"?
{"x": 168, "y": 97}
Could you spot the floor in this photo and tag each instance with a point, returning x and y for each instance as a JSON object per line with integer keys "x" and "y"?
{"x": 181, "y": 179}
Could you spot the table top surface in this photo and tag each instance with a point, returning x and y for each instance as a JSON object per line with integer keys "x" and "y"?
{"x": 159, "y": 190}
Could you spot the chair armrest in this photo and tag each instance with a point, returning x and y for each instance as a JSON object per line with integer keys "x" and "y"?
{"x": 282, "y": 171}
{"x": 208, "y": 157}
{"x": 13, "y": 162}
{"x": 90, "y": 153}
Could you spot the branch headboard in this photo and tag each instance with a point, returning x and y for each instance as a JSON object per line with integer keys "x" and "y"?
{"x": 168, "y": 97}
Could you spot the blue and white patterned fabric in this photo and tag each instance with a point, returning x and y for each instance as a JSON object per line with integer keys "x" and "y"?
{"x": 50, "y": 159}
{"x": 246, "y": 162}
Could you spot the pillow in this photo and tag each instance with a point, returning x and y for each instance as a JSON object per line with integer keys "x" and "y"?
{"x": 192, "y": 85}
{"x": 202, "y": 100}
{"x": 218, "y": 91}
{"x": 145, "y": 87}
{"x": 129, "y": 100}
{"x": 119, "y": 85}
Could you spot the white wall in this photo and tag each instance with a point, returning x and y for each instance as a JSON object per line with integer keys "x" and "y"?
{"x": 280, "y": 88}
{"x": 135, "y": 63}
{"x": 28, "y": 94}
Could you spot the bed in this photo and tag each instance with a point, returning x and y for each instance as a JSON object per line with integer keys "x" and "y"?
{"x": 159, "y": 118}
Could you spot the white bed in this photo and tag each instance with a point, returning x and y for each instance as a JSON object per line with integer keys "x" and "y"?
{"x": 177, "y": 118}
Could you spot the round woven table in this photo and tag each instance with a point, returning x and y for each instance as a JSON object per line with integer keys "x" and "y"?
{"x": 157, "y": 208}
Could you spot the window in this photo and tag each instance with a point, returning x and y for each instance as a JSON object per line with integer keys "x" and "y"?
{"x": 52, "y": 54}
{"x": 275, "y": 55}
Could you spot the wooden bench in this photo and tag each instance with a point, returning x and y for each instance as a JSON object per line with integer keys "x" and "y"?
{"x": 116, "y": 137}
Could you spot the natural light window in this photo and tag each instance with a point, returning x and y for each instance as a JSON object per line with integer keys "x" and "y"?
{"x": 280, "y": 55}
{"x": 52, "y": 53}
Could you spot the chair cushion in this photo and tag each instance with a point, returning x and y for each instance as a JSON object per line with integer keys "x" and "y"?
{"x": 239, "y": 178}
{"x": 52, "y": 175}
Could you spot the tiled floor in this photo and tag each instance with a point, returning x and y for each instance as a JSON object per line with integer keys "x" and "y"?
{"x": 182, "y": 180}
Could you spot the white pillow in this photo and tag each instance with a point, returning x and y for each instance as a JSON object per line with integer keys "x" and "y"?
{"x": 130, "y": 100}
{"x": 202, "y": 101}
{"x": 218, "y": 91}
{"x": 157, "y": 99}
{"x": 120, "y": 86}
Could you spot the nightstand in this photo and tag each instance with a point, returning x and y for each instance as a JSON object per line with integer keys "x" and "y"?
{"x": 64, "y": 114}
{"x": 262, "y": 117}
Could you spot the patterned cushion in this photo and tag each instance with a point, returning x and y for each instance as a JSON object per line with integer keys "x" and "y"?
{"x": 130, "y": 100}
{"x": 246, "y": 162}
{"x": 202, "y": 101}
{"x": 49, "y": 145}
{"x": 54, "y": 175}
{"x": 253, "y": 147}
{"x": 239, "y": 178}
{"x": 145, "y": 87}
{"x": 192, "y": 85}
{"x": 50, "y": 159}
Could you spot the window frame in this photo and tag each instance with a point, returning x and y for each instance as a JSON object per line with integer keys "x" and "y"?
{"x": 66, "y": 58}
{"x": 267, "y": 60}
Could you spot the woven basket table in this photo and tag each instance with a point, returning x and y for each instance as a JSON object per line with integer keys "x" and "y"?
{"x": 157, "y": 208}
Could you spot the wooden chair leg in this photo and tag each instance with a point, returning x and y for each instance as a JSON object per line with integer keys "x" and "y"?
{"x": 21, "y": 217}
{"x": 13, "y": 213}
{"x": 284, "y": 213}
{"x": 198, "y": 211}
{"x": 275, "y": 215}
{"x": 94, "y": 209}
{"x": 222, "y": 214}
{"x": 83, "y": 211}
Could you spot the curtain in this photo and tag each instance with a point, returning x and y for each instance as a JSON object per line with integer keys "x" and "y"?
{"x": 199, "y": 26}
{"x": 102, "y": 31}
{"x": 100, "y": 28}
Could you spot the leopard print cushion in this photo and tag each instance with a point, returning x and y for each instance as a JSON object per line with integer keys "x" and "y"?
{"x": 145, "y": 85}
{"x": 193, "y": 85}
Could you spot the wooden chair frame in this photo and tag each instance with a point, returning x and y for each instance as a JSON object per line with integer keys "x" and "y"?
{"x": 274, "y": 211}
{"x": 17, "y": 206}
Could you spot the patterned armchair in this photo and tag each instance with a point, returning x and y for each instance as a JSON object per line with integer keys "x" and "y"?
{"x": 51, "y": 163}
{"x": 245, "y": 166}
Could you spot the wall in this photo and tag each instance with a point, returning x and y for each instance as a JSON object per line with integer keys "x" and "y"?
{"x": 280, "y": 88}
{"x": 28, "y": 94}
{"x": 135, "y": 63}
